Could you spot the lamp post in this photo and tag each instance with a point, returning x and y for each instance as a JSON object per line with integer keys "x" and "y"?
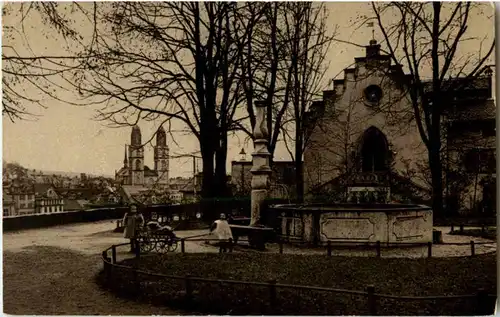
{"x": 243, "y": 155}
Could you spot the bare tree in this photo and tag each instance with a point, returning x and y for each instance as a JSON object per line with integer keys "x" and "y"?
{"x": 28, "y": 76}
{"x": 307, "y": 48}
{"x": 264, "y": 51}
{"x": 430, "y": 35}
{"x": 170, "y": 61}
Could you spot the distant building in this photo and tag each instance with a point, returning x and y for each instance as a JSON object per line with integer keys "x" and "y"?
{"x": 20, "y": 199}
{"x": 9, "y": 206}
{"x": 47, "y": 199}
{"x": 74, "y": 205}
{"x": 282, "y": 178}
{"x": 134, "y": 171}
{"x": 185, "y": 190}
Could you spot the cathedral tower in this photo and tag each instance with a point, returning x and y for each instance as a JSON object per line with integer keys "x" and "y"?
{"x": 136, "y": 156}
{"x": 161, "y": 156}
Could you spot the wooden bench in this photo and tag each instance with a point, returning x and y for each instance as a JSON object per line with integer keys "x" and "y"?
{"x": 258, "y": 236}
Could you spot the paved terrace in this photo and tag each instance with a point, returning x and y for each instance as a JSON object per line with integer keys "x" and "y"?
{"x": 50, "y": 271}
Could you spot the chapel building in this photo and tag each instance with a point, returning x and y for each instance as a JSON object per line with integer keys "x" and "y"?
{"x": 363, "y": 142}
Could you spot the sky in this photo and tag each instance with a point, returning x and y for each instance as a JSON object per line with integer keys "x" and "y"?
{"x": 66, "y": 138}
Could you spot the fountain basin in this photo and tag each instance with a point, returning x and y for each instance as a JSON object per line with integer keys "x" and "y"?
{"x": 354, "y": 223}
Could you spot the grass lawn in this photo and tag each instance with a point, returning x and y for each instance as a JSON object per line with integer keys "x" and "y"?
{"x": 490, "y": 233}
{"x": 43, "y": 280}
{"x": 395, "y": 276}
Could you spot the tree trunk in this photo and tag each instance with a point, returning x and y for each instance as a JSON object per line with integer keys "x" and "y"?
{"x": 299, "y": 167}
{"x": 474, "y": 199}
{"x": 207, "y": 189}
{"x": 437, "y": 181}
{"x": 299, "y": 177}
{"x": 220, "y": 169}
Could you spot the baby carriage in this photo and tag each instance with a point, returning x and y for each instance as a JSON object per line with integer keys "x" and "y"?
{"x": 154, "y": 236}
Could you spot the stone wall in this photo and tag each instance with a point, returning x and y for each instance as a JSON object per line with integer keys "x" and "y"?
{"x": 393, "y": 227}
{"x": 41, "y": 221}
{"x": 353, "y": 223}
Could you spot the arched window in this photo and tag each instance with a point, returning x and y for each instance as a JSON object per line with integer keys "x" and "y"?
{"x": 374, "y": 152}
{"x": 138, "y": 165}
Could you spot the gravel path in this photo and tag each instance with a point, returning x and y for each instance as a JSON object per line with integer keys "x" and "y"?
{"x": 409, "y": 252}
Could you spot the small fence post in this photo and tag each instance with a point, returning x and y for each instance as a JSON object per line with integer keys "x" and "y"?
{"x": 281, "y": 245}
{"x": 482, "y": 303}
{"x": 106, "y": 266}
{"x": 189, "y": 288}
{"x": 429, "y": 249}
{"x": 230, "y": 245}
{"x": 452, "y": 228}
{"x": 113, "y": 254}
{"x": 105, "y": 255}
{"x": 137, "y": 249}
{"x": 272, "y": 295}
{"x": 372, "y": 310}
{"x": 183, "y": 246}
{"x": 462, "y": 228}
{"x": 329, "y": 247}
{"x": 472, "y": 248}
{"x": 378, "y": 249}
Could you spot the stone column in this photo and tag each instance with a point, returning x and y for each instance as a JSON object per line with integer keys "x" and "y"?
{"x": 261, "y": 171}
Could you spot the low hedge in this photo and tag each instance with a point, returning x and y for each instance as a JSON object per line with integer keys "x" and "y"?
{"x": 395, "y": 276}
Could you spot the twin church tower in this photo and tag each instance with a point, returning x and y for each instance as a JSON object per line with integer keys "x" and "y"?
{"x": 135, "y": 172}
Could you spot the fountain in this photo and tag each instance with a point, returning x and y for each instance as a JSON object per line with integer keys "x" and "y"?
{"x": 355, "y": 223}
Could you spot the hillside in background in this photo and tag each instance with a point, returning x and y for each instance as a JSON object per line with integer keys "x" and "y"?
{"x": 13, "y": 168}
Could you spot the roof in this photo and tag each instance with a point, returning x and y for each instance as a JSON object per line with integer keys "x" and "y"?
{"x": 122, "y": 171}
{"x": 129, "y": 191}
{"x": 275, "y": 163}
{"x": 41, "y": 189}
{"x": 79, "y": 193}
{"x": 19, "y": 189}
{"x": 72, "y": 204}
{"x": 462, "y": 83}
{"x": 480, "y": 110}
{"x": 149, "y": 172}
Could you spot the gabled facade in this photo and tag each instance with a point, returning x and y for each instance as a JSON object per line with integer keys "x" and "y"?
{"x": 363, "y": 141}
{"x": 47, "y": 199}
{"x": 363, "y": 131}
